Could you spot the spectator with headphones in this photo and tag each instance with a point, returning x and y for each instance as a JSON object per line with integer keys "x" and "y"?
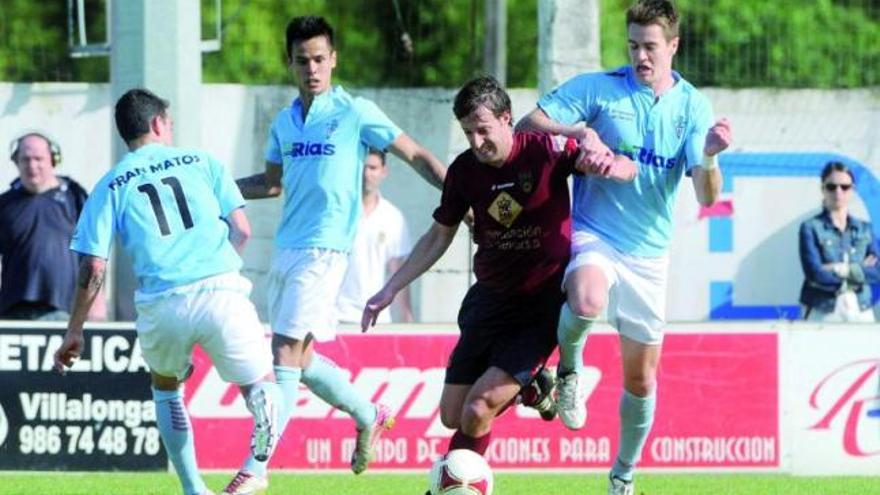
{"x": 38, "y": 215}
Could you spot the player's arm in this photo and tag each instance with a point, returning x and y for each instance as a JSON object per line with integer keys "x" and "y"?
{"x": 239, "y": 229}
{"x": 263, "y": 185}
{"x": 98, "y": 312}
{"x": 426, "y": 252}
{"x": 402, "y": 302}
{"x": 92, "y": 270}
{"x": 596, "y": 158}
{"x": 420, "y": 159}
{"x": 707, "y": 182}
{"x": 620, "y": 169}
{"x": 707, "y": 176}
{"x": 538, "y": 120}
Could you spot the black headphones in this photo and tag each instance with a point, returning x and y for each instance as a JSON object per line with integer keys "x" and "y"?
{"x": 54, "y": 149}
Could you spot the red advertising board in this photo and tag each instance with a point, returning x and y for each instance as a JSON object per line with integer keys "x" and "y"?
{"x": 717, "y": 408}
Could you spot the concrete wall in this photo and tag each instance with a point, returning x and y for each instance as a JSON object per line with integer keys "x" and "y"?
{"x": 763, "y": 264}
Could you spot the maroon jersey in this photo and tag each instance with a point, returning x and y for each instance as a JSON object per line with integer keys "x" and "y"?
{"x": 522, "y": 217}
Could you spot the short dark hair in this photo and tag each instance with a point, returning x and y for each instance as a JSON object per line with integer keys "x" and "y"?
{"x": 836, "y": 166}
{"x": 659, "y": 12}
{"x": 376, "y": 151}
{"x": 483, "y": 90}
{"x": 305, "y": 28}
{"x": 134, "y": 111}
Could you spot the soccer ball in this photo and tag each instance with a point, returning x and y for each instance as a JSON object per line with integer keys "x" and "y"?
{"x": 461, "y": 472}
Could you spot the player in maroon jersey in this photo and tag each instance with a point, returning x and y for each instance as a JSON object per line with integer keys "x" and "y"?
{"x": 516, "y": 184}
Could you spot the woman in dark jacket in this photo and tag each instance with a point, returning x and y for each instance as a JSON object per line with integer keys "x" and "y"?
{"x": 838, "y": 255}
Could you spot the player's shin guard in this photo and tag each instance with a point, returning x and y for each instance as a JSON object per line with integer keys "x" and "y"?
{"x": 461, "y": 440}
{"x": 176, "y": 432}
{"x": 288, "y": 379}
{"x": 636, "y": 418}
{"x": 331, "y": 384}
{"x": 572, "y": 336}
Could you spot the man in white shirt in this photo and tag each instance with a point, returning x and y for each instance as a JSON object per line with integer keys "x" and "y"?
{"x": 381, "y": 245}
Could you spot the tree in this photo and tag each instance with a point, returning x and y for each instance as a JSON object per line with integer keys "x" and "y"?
{"x": 785, "y": 43}
{"x": 726, "y": 43}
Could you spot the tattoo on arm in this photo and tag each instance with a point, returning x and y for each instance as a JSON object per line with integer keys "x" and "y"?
{"x": 90, "y": 279}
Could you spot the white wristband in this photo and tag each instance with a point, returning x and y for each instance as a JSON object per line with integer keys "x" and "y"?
{"x": 709, "y": 162}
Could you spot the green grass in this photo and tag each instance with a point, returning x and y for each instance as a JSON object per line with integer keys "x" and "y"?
{"x": 387, "y": 484}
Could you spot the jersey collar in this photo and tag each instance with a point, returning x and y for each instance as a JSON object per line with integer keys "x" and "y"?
{"x": 319, "y": 104}
{"x": 642, "y": 89}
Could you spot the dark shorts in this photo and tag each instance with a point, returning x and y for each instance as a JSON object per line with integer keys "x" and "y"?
{"x": 516, "y": 333}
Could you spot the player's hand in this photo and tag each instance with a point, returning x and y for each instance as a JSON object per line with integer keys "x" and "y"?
{"x": 589, "y": 140}
{"x": 719, "y": 138}
{"x": 579, "y": 132}
{"x": 870, "y": 261}
{"x": 69, "y": 352}
{"x": 595, "y": 157}
{"x": 374, "y": 306}
{"x": 589, "y": 162}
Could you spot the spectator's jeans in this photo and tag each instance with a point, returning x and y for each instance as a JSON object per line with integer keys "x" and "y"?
{"x": 846, "y": 310}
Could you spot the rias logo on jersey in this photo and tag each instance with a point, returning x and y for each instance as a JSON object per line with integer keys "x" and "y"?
{"x": 295, "y": 150}
{"x": 505, "y": 209}
{"x": 645, "y": 156}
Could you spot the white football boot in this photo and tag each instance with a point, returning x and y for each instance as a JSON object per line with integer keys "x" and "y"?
{"x": 571, "y": 401}
{"x": 617, "y": 486}
{"x": 368, "y": 437}
{"x": 246, "y": 483}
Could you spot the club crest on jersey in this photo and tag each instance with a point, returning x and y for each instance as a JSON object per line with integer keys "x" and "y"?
{"x": 331, "y": 127}
{"x": 680, "y": 124}
{"x": 526, "y": 181}
{"x": 505, "y": 209}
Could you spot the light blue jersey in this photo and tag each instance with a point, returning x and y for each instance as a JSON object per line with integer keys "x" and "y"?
{"x": 323, "y": 167}
{"x": 664, "y": 137}
{"x": 167, "y": 205}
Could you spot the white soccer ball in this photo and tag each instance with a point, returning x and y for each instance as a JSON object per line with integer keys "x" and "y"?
{"x": 461, "y": 472}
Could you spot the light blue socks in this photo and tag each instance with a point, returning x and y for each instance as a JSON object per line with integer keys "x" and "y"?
{"x": 331, "y": 384}
{"x": 572, "y": 336}
{"x": 177, "y": 435}
{"x": 636, "y": 418}
{"x": 288, "y": 380}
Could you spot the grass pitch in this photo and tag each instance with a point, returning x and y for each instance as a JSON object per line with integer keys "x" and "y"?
{"x": 415, "y": 484}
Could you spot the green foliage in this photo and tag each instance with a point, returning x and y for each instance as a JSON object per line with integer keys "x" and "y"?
{"x": 613, "y": 32}
{"x": 446, "y": 39}
{"x": 726, "y": 43}
{"x": 33, "y": 43}
{"x": 784, "y": 43}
